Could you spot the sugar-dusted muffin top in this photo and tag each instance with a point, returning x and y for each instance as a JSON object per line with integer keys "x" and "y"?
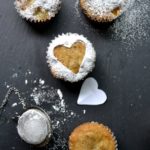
{"x": 37, "y": 10}
{"x": 104, "y": 10}
{"x": 71, "y": 57}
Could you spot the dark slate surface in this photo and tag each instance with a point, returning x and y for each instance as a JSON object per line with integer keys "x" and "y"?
{"x": 121, "y": 74}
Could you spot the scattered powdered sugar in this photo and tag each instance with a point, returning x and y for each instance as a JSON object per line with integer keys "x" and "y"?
{"x": 15, "y": 75}
{"x": 7, "y": 86}
{"x": 28, "y": 72}
{"x": 26, "y": 81}
{"x": 51, "y": 100}
{"x": 14, "y": 104}
{"x": 52, "y": 6}
{"x": 57, "y": 109}
{"x": 59, "y": 92}
{"x": 41, "y": 81}
{"x": 132, "y": 28}
{"x": 62, "y": 71}
{"x": 84, "y": 111}
{"x": 43, "y": 94}
{"x": 79, "y": 18}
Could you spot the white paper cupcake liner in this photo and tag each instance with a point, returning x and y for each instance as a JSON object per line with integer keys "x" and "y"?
{"x": 114, "y": 138}
{"x": 110, "y": 131}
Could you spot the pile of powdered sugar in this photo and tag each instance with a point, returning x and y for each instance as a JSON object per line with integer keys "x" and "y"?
{"x": 34, "y": 126}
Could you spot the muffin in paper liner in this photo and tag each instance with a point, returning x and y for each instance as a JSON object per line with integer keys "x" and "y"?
{"x": 71, "y": 57}
{"x": 92, "y": 135}
{"x": 37, "y": 10}
{"x": 104, "y": 11}
{"x": 34, "y": 127}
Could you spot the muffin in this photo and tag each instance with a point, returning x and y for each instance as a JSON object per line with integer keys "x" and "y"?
{"x": 37, "y": 10}
{"x": 103, "y": 10}
{"x": 92, "y": 136}
{"x": 34, "y": 127}
{"x": 71, "y": 57}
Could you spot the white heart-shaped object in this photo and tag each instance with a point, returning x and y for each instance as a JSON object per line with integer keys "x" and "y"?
{"x": 90, "y": 94}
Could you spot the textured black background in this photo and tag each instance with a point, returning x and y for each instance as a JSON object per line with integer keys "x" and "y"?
{"x": 120, "y": 73}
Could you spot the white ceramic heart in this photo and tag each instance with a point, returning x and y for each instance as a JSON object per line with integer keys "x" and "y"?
{"x": 90, "y": 94}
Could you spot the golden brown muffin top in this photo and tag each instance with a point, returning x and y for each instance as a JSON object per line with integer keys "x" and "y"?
{"x": 92, "y": 136}
{"x": 71, "y": 57}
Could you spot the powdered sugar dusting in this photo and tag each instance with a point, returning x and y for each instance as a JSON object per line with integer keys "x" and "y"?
{"x": 105, "y": 7}
{"x": 60, "y": 93}
{"x": 34, "y": 126}
{"x": 52, "y": 101}
{"x": 132, "y": 27}
{"x": 53, "y": 98}
{"x": 15, "y": 75}
{"x": 52, "y": 6}
{"x": 26, "y": 81}
{"x": 41, "y": 81}
{"x": 61, "y": 71}
{"x": 79, "y": 18}
{"x": 14, "y": 105}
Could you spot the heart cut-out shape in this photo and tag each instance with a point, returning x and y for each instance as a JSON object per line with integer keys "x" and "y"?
{"x": 71, "y": 57}
{"x": 90, "y": 94}
{"x": 41, "y": 13}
